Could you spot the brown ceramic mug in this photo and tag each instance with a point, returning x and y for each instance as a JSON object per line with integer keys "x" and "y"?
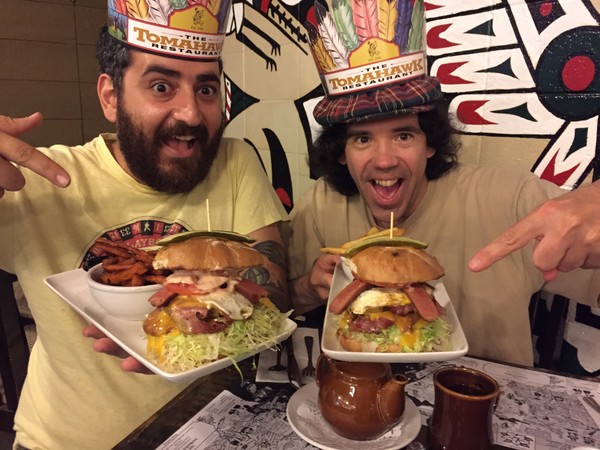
{"x": 462, "y": 413}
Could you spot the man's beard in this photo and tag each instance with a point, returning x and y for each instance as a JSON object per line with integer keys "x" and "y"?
{"x": 143, "y": 157}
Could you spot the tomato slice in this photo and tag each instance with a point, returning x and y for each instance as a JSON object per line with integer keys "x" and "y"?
{"x": 184, "y": 289}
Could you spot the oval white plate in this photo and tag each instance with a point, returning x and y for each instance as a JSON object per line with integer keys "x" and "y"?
{"x": 306, "y": 420}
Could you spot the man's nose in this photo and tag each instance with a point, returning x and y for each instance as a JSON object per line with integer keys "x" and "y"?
{"x": 187, "y": 109}
{"x": 384, "y": 156}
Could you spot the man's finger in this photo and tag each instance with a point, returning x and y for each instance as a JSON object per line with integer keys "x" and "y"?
{"x": 130, "y": 364}
{"x": 19, "y": 152}
{"x": 510, "y": 240}
{"x": 106, "y": 345}
{"x": 93, "y": 332}
{"x": 18, "y": 126}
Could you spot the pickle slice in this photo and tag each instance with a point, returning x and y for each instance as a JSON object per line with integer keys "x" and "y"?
{"x": 384, "y": 241}
{"x": 229, "y": 235}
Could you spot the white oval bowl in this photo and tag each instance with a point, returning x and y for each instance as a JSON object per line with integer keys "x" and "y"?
{"x": 124, "y": 302}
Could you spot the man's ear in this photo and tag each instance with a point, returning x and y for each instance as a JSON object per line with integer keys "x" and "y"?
{"x": 342, "y": 159}
{"x": 108, "y": 97}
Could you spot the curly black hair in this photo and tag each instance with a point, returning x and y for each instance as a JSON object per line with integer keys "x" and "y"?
{"x": 331, "y": 143}
{"x": 113, "y": 57}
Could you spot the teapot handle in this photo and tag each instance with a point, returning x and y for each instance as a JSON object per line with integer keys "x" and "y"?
{"x": 322, "y": 367}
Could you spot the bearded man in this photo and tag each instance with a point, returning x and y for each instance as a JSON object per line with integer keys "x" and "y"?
{"x": 152, "y": 178}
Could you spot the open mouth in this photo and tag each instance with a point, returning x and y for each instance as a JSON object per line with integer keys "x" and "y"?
{"x": 186, "y": 140}
{"x": 181, "y": 146}
{"x": 386, "y": 189}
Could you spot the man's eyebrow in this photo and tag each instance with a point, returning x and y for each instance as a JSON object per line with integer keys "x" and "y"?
{"x": 154, "y": 68}
{"x": 203, "y": 78}
{"x": 208, "y": 77}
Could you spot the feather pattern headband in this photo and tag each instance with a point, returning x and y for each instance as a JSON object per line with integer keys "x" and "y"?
{"x": 366, "y": 19}
{"x": 159, "y": 10}
{"x": 388, "y": 15}
{"x": 415, "y": 37}
{"x": 342, "y": 16}
{"x": 322, "y": 57}
{"x": 405, "y": 8}
{"x": 214, "y": 6}
{"x": 137, "y": 9}
{"x": 120, "y": 6}
{"x": 330, "y": 36}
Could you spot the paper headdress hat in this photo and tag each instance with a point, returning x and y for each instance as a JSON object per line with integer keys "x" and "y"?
{"x": 178, "y": 28}
{"x": 371, "y": 57}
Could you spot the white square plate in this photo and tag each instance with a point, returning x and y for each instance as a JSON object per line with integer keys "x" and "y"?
{"x": 72, "y": 287}
{"x": 332, "y": 348}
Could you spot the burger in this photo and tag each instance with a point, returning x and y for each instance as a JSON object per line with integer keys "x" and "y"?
{"x": 389, "y": 306}
{"x": 206, "y": 310}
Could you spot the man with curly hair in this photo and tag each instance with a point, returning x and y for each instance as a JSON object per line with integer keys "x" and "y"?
{"x": 393, "y": 149}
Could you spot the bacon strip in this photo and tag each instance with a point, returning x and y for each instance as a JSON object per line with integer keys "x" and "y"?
{"x": 252, "y": 291}
{"x": 423, "y": 301}
{"x": 162, "y": 297}
{"x": 347, "y": 295}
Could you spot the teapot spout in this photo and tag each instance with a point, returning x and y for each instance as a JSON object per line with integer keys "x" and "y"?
{"x": 391, "y": 400}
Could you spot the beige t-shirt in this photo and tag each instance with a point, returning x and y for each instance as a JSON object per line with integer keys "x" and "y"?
{"x": 75, "y": 398}
{"x": 461, "y": 212}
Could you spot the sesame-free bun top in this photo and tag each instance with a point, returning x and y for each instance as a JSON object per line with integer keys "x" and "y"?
{"x": 389, "y": 266}
{"x": 202, "y": 253}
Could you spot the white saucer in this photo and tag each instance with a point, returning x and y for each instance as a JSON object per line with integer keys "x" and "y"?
{"x": 306, "y": 420}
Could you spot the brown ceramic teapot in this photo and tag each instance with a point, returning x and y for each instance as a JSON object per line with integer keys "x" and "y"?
{"x": 359, "y": 400}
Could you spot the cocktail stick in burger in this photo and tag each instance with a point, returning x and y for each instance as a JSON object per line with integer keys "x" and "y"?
{"x": 389, "y": 305}
{"x": 205, "y": 310}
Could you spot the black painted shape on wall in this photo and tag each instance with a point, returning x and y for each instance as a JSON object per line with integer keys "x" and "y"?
{"x": 281, "y": 177}
{"x": 317, "y": 92}
{"x": 280, "y": 169}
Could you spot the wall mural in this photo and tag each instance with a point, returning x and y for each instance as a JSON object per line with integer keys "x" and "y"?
{"x": 510, "y": 68}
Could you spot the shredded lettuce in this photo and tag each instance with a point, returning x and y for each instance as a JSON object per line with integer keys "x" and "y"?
{"x": 180, "y": 352}
{"x": 425, "y": 337}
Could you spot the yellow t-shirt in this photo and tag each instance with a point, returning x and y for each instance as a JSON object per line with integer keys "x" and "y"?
{"x": 75, "y": 398}
{"x": 460, "y": 213}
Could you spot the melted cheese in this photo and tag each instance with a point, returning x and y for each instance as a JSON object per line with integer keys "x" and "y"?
{"x": 404, "y": 323}
{"x": 378, "y": 297}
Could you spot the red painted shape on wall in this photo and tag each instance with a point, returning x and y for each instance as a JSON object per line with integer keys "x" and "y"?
{"x": 431, "y": 6}
{"x": 578, "y": 73}
{"x": 445, "y": 73}
{"x": 467, "y": 113}
{"x": 264, "y": 6}
{"x": 435, "y": 41}
{"x": 283, "y": 197}
{"x": 557, "y": 178}
{"x": 545, "y": 9}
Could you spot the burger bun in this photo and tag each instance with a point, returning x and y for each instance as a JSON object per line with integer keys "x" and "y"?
{"x": 210, "y": 254}
{"x": 394, "y": 265}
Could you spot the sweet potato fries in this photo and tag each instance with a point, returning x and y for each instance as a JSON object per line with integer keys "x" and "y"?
{"x": 128, "y": 266}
